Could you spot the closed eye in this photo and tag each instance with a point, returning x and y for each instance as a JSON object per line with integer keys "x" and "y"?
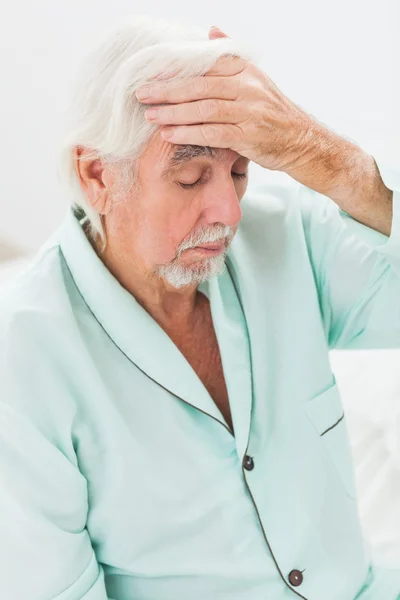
{"x": 198, "y": 182}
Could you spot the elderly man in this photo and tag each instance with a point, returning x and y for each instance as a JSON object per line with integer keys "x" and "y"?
{"x": 170, "y": 425}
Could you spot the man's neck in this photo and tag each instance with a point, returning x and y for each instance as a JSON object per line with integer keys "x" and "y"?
{"x": 171, "y": 307}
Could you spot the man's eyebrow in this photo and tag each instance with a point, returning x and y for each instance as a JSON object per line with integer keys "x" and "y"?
{"x": 185, "y": 152}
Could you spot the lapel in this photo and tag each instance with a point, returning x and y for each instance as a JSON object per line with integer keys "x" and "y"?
{"x": 232, "y": 334}
{"x": 128, "y": 324}
{"x": 249, "y": 260}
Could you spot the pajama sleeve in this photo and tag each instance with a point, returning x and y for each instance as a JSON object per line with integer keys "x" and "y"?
{"x": 45, "y": 549}
{"x": 356, "y": 269}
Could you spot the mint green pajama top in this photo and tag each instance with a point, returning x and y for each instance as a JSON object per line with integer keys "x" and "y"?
{"x": 119, "y": 477}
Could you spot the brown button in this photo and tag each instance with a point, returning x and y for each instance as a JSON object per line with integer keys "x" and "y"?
{"x": 248, "y": 463}
{"x": 296, "y": 577}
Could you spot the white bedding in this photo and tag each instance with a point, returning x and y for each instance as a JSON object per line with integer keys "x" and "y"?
{"x": 370, "y": 385}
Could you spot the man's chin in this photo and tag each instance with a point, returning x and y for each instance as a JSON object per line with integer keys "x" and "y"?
{"x": 202, "y": 269}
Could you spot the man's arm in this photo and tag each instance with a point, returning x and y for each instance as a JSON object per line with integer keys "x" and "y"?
{"x": 338, "y": 168}
{"x": 356, "y": 268}
{"x": 45, "y": 548}
{"x": 44, "y": 555}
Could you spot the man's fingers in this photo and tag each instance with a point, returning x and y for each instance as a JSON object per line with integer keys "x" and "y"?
{"x": 202, "y": 111}
{"x": 195, "y": 89}
{"x": 216, "y": 136}
{"x": 218, "y": 82}
{"x": 215, "y": 33}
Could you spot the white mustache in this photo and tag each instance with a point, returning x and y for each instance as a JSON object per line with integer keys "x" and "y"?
{"x": 215, "y": 234}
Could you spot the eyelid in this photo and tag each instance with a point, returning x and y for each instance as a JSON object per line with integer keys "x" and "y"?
{"x": 199, "y": 181}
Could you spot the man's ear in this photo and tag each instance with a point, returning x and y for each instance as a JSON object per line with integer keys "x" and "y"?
{"x": 92, "y": 177}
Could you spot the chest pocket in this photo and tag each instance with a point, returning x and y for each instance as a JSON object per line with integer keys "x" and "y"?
{"x": 327, "y": 416}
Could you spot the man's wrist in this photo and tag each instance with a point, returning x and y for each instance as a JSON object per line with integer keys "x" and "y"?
{"x": 336, "y": 167}
{"x": 328, "y": 163}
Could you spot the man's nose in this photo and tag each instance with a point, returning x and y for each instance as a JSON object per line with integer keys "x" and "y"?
{"x": 223, "y": 206}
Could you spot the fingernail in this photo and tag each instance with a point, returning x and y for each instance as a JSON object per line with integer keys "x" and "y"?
{"x": 167, "y": 134}
{"x": 151, "y": 114}
{"x": 143, "y": 93}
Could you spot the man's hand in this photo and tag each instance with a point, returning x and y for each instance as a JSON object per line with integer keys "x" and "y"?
{"x": 235, "y": 105}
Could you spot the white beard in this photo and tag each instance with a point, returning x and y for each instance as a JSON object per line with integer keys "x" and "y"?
{"x": 178, "y": 275}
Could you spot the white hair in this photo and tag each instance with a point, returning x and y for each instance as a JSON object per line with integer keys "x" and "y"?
{"x": 104, "y": 113}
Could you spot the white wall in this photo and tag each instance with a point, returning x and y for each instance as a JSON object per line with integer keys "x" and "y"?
{"x": 338, "y": 60}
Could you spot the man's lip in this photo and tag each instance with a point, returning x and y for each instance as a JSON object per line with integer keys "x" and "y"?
{"x": 212, "y": 246}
